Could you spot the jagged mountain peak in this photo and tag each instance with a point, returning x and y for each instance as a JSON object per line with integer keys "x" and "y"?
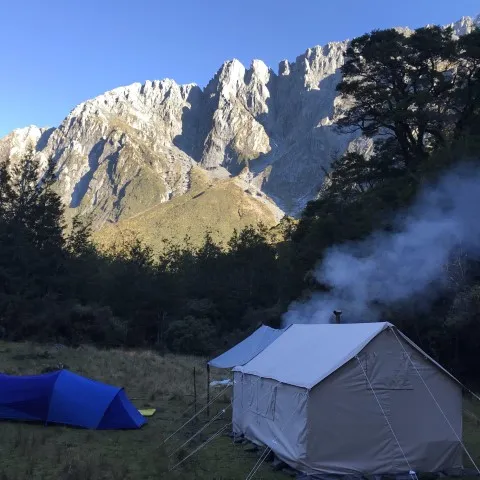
{"x": 260, "y": 70}
{"x": 149, "y": 94}
{"x": 465, "y": 25}
{"x": 229, "y": 79}
{"x": 17, "y": 142}
{"x": 134, "y": 147}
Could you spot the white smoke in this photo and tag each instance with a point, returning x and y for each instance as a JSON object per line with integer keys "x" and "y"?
{"x": 408, "y": 264}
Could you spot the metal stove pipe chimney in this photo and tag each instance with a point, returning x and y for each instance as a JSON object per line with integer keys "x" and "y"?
{"x": 338, "y": 314}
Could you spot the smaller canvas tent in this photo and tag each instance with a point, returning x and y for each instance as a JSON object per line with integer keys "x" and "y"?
{"x": 247, "y": 349}
{"x": 66, "y": 398}
{"x": 350, "y": 399}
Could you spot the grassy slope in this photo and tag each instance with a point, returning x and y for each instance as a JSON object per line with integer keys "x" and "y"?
{"x": 215, "y": 205}
{"x": 32, "y": 451}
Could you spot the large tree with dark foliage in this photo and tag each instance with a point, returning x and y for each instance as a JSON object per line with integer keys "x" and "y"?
{"x": 467, "y": 93}
{"x": 418, "y": 89}
{"x": 398, "y": 87}
{"x": 31, "y": 242}
{"x": 417, "y": 97}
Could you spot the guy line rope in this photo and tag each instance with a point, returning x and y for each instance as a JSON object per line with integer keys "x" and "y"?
{"x": 216, "y": 434}
{"x": 196, "y": 415}
{"x": 436, "y": 402}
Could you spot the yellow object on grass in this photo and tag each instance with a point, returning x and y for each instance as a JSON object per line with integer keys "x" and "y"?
{"x": 148, "y": 412}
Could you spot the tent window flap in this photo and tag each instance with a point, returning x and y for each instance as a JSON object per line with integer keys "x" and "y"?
{"x": 262, "y": 399}
{"x": 388, "y": 370}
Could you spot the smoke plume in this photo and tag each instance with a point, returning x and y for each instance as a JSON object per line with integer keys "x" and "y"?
{"x": 407, "y": 265}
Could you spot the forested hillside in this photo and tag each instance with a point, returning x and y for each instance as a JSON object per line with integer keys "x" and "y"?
{"x": 417, "y": 96}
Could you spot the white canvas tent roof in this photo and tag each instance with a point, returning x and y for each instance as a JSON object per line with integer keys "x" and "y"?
{"x": 350, "y": 398}
{"x": 247, "y": 349}
{"x": 305, "y": 354}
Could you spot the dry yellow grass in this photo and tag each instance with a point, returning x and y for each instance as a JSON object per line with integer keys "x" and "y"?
{"x": 37, "y": 452}
{"x": 218, "y": 206}
{"x": 32, "y": 451}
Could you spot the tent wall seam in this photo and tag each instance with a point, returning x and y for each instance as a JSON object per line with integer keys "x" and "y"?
{"x": 436, "y": 402}
{"x": 386, "y": 418}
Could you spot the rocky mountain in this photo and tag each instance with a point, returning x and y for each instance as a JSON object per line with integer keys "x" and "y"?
{"x": 135, "y": 148}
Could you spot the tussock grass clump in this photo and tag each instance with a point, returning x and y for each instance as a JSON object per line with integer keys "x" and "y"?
{"x": 30, "y": 451}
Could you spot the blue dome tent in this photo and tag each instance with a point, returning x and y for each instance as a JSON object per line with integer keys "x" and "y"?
{"x": 66, "y": 398}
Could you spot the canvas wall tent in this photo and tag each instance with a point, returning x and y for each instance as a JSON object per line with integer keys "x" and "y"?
{"x": 66, "y": 398}
{"x": 350, "y": 399}
{"x": 247, "y": 349}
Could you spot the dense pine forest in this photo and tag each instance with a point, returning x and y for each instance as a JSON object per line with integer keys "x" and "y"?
{"x": 417, "y": 96}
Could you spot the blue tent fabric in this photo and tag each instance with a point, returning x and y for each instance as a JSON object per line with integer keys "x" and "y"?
{"x": 113, "y": 418}
{"x": 247, "y": 349}
{"x": 67, "y": 398}
{"x": 26, "y": 397}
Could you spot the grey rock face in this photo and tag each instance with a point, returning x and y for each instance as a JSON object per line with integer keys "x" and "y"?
{"x": 465, "y": 25}
{"x": 116, "y": 154}
{"x": 133, "y": 147}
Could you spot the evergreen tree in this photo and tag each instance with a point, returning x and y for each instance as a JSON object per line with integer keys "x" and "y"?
{"x": 32, "y": 257}
{"x": 79, "y": 241}
{"x": 400, "y": 86}
{"x": 467, "y": 93}
{"x": 417, "y": 97}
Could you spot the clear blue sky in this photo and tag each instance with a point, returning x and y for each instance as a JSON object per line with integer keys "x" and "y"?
{"x": 55, "y": 54}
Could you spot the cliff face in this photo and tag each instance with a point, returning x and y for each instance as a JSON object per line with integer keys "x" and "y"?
{"x": 134, "y": 147}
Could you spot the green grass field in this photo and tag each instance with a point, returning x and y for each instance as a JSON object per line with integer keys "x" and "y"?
{"x": 33, "y": 451}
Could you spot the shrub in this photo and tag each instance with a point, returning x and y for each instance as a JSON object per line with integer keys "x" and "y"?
{"x": 195, "y": 336}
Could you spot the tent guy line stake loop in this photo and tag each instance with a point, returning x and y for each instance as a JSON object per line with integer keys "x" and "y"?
{"x": 213, "y": 437}
{"x": 436, "y": 402}
{"x": 197, "y": 414}
{"x": 384, "y": 414}
{"x": 221, "y": 412}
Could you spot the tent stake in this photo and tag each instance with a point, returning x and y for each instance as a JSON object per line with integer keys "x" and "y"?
{"x": 208, "y": 390}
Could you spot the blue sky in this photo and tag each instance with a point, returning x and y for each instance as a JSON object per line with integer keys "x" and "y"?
{"x": 55, "y": 54}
